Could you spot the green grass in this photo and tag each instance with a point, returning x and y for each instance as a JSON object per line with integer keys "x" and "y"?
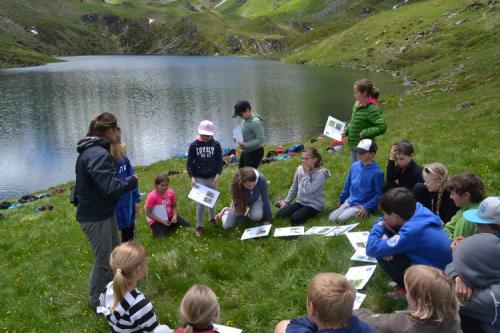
{"x": 45, "y": 258}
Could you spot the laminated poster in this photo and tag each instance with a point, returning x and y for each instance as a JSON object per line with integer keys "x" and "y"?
{"x": 238, "y": 134}
{"x": 342, "y": 229}
{"x": 204, "y": 195}
{"x": 358, "y": 300}
{"x": 226, "y": 329}
{"x": 256, "y": 232}
{"x": 360, "y": 255}
{"x": 334, "y": 128}
{"x": 289, "y": 232}
{"x": 323, "y": 231}
{"x": 359, "y": 275}
{"x": 358, "y": 239}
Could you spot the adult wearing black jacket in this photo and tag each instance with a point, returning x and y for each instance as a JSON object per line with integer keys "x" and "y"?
{"x": 97, "y": 192}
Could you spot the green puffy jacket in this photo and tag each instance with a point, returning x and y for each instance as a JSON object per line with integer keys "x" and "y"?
{"x": 367, "y": 122}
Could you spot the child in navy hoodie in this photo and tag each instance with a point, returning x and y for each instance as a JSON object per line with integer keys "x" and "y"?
{"x": 408, "y": 234}
{"x": 363, "y": 186}
{"x": 204, "y": 166}
{"x": 330, "y": 300}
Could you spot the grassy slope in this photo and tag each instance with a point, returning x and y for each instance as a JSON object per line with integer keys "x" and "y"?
{"x": 45, "y": 258}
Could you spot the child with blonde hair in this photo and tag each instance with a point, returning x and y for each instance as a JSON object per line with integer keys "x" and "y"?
{"x": 432, "y": 305}
{"x": 199, "y": 309}
{"x": 123, "y": 305}
{"x": 432, "y": 193}
{"x": 330, "y": 300}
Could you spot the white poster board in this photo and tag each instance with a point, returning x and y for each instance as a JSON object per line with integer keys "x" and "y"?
{"x": 358, "y": 300}
{"x": 237, "y": 134}
{"x": 204, "y": 195}
{"x": 358, "y": 239}
{"x": 360, "y": 275}
{"x": 322, "y": 231}
{"x": 226, "y": 329}
{"x": 289, "y": 232}
{"x": 342, "y": 229}
{"x": 334, "y": 128}
{"x": 360, "y": 255}
{"x": 256, "y": 232}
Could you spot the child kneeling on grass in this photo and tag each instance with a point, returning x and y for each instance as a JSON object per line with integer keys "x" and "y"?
{"x": 432, "y": 305}
{"x": 249, "y": 199}
{"x": 330, "y": 300}
{"x": 466, "y": 191}
{"x": 363, "y": 186}
{"x": 199, "y": 309}
{"x": 123, "y": 305}
{"x": 307, "y": 186}
{"x": 161, "y": 208}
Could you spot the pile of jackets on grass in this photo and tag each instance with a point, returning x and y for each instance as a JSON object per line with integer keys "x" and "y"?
{"x": 281, "y": 154}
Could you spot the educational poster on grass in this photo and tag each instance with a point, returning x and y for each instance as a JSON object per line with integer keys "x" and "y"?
{"x": 226, "y": 329}
{"x": 334, "y": 128}
{"x": 360, "y": 255}
{"x": 256, "y": 232}
{"x": 321, "y": 231}
{"x": 358, "y": 300}
{"x": 342, "y": 229}
{"x": 204, "y": 195}
{"x": 289, "y": 231}
{"x": 360, "y": 275}
{"x": 358, "y": 239}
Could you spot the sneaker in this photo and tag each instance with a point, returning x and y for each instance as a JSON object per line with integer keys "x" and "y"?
{"x": 218, "y": 217}
{"x": 199, "y": 231}
{"x": 213, "y": 221}
{"x": 398, "y": 294}
{"x": 392, "y": 284}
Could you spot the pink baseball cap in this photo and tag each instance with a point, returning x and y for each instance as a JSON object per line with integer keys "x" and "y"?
{"x": 206, "y": 127}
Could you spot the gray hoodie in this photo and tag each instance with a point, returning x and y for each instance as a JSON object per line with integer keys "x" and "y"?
{"x": 308, "y": 188}
{"x": 477, "y": 261}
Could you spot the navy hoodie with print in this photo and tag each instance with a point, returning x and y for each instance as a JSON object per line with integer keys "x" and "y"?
{"x": 204, "y": 159}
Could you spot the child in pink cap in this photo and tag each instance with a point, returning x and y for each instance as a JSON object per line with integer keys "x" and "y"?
{"x": 204, "y": 166}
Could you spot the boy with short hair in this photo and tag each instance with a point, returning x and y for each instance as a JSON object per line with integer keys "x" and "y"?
{"x": 330, "y": 300}
{"x": 407, "y": 234}
{"x": 466, "y": 191}
{"x": 252, "y": 149}
{"x": 362, "y": 187}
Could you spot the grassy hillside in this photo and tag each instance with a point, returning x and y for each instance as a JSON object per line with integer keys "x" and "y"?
{"x": 445, "y": 51}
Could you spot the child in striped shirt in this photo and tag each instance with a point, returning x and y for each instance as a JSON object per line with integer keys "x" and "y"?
{"x": 123, "y": 305}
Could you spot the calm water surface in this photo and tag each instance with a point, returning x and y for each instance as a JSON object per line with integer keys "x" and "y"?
{"x": 159, "y": 100}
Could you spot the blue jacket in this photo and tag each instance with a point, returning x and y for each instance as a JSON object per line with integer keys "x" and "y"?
{"x": 305, "y": 325}
{"x": 363, "y": 186}
{"x": 125, "y": 210}
{"x": 260, "y": 191}
{"x": 421, "y": 238}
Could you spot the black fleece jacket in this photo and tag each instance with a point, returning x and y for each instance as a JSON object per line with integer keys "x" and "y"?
{"x": 204, "y": 159}
{"x": 97, "y": 187}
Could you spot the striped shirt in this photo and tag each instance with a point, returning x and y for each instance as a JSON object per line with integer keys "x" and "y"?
{"x": 133, "y": 314}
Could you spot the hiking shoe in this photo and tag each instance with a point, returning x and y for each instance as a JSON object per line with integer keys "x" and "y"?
{"x": 398, "y": 294}
{"x": 199, "y": 231}
{"x": 213, "y": 221}
{"x": 392, "y": 284}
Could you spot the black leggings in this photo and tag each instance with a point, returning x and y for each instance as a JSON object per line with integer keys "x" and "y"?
{"x": 396, "y": 267}
{"x": 159, "y": 229}
{"x": 128, "y": 234}
{"x": 298, "y": 212}
{"x": 251, "y": 159}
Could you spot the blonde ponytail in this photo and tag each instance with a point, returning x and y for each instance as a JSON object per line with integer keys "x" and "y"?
{"x": 124, "y": 260}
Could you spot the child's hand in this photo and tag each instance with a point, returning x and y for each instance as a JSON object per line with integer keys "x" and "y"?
{"x": 463, "y": 291}
{"x": 394, "y": 151}
{"x": 241, "y": 144}
{"x": 174, "y": 219}
{"x": 456, "y": 241}
{"x": 137, "y": 206}
{"x": 362, "y": 212}
{"x": 193, "y": 181}
{"x": 281, "y": 203}
{"x": 215, "y": 182}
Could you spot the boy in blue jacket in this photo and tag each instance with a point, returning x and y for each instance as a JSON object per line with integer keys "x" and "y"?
{"x": 363, "y": 186}
{"x": 408, "y": 234}
{"x": 330, "y": 300}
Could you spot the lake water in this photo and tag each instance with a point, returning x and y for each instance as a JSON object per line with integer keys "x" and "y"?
{"x": 158, "y": 100}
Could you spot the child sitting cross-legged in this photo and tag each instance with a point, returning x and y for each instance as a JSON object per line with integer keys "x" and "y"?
{"x": 432, "y": 305}
{"x": 363, "y": 186}
{"x": 330, "y": 300}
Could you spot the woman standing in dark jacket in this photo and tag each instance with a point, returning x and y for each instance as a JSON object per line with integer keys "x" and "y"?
{"x": 97, "y": 192}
